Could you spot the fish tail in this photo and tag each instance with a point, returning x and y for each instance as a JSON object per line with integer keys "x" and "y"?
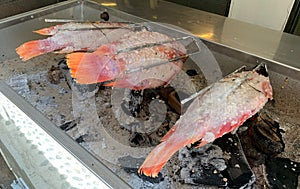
{"x": 32, "y": 49}
{"x": 45, "y": 31}
{"x": 158, "y": 157}
{"x": 88, "y": 68}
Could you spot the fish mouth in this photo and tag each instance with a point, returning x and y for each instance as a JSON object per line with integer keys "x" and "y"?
{"x": 261, "y": 69}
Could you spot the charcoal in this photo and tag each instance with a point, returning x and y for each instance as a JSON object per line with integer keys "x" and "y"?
{"x": 202, "y": 166}
{"x": 238, "y": 173}
{"x": 54, "y": 74}
{"x": 267, "y": 135}
{"x": 68, "y": 125}
{"x": 282, "y": 173}
{"x": 137, "y": 139}
{"x": 139, "y": 111}
{"x": 80, "y": 139}
{"x": 191, "y": 72}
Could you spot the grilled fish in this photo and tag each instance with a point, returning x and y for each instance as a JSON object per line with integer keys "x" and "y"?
{"x": 75, "y": 26}
{"x": 219, "y": 109}
{"x": 71, "y": 37}
{"x": 111, "y": 62}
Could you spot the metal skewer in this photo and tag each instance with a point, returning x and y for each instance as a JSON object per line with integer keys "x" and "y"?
{"x": 141, "y": 68}
{"x": 154, "y": 44}
{"x": 238, "y": 83}
{"x": 130, "y": 25}
{"x": 62, "y": 20}
{"x": 51, "y": 20}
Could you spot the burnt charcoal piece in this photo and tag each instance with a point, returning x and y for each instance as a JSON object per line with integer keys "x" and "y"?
{"x": 267, "y": 135}
{"x": 238, "y": 173}
{"x": 173, "y": 98}
{"x": 104, "y": 16}
{"x": 262, "y": 69}
{"x": 191, "y": 72}
{"x": 202, "y": 166}
{"x": 209, "y": 177}
{"x": 282, "y": 173}
{"x": 79, "y": 139}
{"x": 62, "y": 64}
{"x": 69, "y": 125}
{"x": 140, "y": 111}
{"x": 137, "y": 139}
{"x": 54, "y": 75}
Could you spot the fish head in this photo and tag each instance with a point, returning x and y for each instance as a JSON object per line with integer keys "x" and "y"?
{"x": 266, "y": 87}
{"x": 261, "y": 84}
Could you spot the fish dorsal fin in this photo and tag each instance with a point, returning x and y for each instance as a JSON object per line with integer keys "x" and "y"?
{"x": 169, "y": 133}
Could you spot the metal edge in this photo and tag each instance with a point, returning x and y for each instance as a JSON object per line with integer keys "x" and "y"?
{"x": 11, "y": 20}
{"x": 87, "y": 159}
{"x": 115, "y": 11}
{"x": 254, "y": 59}
{"x": 13, "y": 165}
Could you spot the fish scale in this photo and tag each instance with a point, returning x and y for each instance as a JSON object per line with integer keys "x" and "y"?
{"x": 139, "y": 39}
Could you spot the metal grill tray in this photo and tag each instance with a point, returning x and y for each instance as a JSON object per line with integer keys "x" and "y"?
{"x": 58, "y": 104}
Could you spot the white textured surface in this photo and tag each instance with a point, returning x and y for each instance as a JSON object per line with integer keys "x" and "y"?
{"x": 46, "y": 163}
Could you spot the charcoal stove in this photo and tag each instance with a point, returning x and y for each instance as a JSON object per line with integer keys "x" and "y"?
{"x": 51, "y": 139}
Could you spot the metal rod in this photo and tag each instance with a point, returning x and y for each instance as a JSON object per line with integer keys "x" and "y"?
{"x": 129, "y": 25}
{"x": 155, "y": 64}
{"x": 62, "y": 20}
{"x": 158, "y": 63}
{"x": 195, "y": 94}
{"x": 239, "y": 83}
{"x": 153, "y": 44}
{"x": 51, "y": 20}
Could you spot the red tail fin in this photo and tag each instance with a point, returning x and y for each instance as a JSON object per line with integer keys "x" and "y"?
{"x": 32, "y": 49}
{"x": 159, "y": 157}
{"x": 88, "y": 68}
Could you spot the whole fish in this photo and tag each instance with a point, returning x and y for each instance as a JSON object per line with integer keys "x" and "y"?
{"x": 112, "y": 62}
{"x": 219, "y": 109}
{"x": 71, "y": 37}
